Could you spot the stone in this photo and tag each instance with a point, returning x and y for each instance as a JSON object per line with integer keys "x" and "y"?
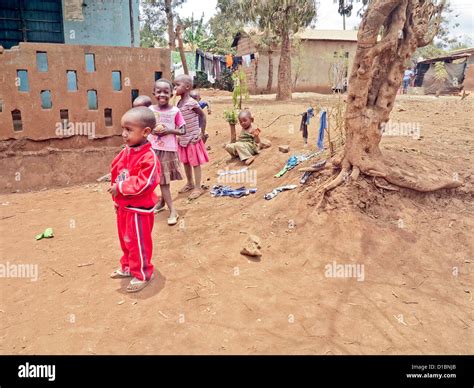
{"x": 284, "y": 148}
{"x": 252, "y": 246}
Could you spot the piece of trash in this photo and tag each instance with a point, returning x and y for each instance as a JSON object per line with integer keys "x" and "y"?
{"x": 5, "y": 203}
{"x": 121, "y": 302}
{"x": 48, "y": 233}
{"x": 134, "y": 303}
{"x": 104, "y": 178}
{"x": 85, "y": 265}
{"x": 275, "y": 192}
{"x": 294, "y": 160}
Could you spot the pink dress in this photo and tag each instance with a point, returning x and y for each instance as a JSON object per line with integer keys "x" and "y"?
{"x": 166, "y": 147}
{"x": 191, "y": 148}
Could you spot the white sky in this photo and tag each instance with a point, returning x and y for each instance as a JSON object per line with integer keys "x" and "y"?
{"x": 329, "y": 19}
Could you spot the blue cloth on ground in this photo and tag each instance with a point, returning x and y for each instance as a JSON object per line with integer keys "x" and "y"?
{"x": 227, "y": 191}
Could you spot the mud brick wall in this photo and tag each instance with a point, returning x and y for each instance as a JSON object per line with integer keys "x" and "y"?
{"x": 48, "y": 134}
{"x": 244, "y": 47}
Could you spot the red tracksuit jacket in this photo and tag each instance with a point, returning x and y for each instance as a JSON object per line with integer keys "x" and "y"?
{"x": 136, "y": 171}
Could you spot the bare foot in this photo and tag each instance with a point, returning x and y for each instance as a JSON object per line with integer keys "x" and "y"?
{"x": 186, "y": 188}
{"x": 250, "y": 160}
{"x": 195, "y": 194}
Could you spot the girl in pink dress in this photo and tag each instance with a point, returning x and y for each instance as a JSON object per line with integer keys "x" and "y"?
{"x": 191, "y": 149}
{"x": 164, "y": 142}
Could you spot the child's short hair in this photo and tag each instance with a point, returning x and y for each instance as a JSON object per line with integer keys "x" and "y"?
{"x": 142, "y": 115}
{"x": 164, "y": 80}
{"x": 245, "y": 112}
{"x": 185, "y": 78}
{"x": 142, "y": 101}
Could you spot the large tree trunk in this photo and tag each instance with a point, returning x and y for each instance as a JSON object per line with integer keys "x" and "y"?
{"x": 373, "y": 84}
{"x": 284, "y": 68}
{"x": 170, "y": 23}
{"x": 181, "y": 49}
{"x": 270, "y": 71}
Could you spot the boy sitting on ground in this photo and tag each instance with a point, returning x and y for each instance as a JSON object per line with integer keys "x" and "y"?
{"x": 247, "y": 145}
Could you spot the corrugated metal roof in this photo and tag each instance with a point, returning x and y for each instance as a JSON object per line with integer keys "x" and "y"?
{"x": 446, "y": 58}
{"x": 310, "y": 34}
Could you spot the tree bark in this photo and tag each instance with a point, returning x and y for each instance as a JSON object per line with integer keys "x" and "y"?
{"x": 284, "y": 68}
{"x": 181, "y": 49}
{"x": 170, "y": 23}
{"x": 270, "y": 71}
{"x": 373, "y": 84}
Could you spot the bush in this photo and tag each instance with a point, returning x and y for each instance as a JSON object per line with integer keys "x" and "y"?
{"x": 224, "y": 83}
{"x": 200, "y": 81}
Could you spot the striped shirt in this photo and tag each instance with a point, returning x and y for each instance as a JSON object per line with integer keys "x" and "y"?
{"x": 193, "y": 131}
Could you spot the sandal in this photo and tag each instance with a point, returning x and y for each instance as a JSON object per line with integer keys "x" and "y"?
{"x": 119, "y": 274}
{"x": 195, "y": 194}
{"x": 136, "y": 285}
{"x": 186, "y": 188}
{"x": 173, "y": 220}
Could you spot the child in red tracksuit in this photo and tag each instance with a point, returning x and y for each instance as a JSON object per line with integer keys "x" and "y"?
{"x": 135, "y": 175}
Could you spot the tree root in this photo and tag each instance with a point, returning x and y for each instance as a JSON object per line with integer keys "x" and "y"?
{"x": 395, "y": 177}
{"x": 407, "y": 180}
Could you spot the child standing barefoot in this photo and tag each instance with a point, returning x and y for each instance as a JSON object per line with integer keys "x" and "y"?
{"x": 164, "y": 142}
{"x": 134, "y": 174}
{"x": 192, "y": 151}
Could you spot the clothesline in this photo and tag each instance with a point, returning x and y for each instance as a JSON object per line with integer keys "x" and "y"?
{"x": 214, "y": 65}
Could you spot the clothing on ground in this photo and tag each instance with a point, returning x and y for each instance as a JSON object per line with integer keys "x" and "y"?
{"x": 227, "y": 191}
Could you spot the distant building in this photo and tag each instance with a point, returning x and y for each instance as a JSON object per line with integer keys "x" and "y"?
{"x": 82, "y": 22}
{"x": 459, "y": 75}
{"x": 314, "y": 64}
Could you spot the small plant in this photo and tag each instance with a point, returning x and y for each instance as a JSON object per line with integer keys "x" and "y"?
{"x": 231, "y": 116}
{"x": 241, "y": 89}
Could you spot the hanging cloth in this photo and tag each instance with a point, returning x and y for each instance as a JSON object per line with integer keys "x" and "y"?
{"x": 229, "y": 60}
{"x": 304, "y": 127}
{"x": 322, "y": 126}
{"x": 246, "y": 60}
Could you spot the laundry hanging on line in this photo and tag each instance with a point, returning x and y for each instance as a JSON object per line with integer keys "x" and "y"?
{"x": 305, "y": 119}
{"x": 214, "y": 65}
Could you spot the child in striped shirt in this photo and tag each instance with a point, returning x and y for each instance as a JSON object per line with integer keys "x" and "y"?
{"x": 191, "y": 148}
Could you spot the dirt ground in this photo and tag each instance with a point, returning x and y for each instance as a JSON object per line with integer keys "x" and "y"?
{"x": 416, "y": 296}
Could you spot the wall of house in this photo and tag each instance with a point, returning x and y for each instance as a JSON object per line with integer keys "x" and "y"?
{"x": 101, "y": 22}
{"x": 315, "y": 64}
{"x": 244, "y": 47}
{"x": 32, "y": 129}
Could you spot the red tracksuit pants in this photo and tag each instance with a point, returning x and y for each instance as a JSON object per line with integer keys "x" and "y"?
{"x": 134, "y": 231}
